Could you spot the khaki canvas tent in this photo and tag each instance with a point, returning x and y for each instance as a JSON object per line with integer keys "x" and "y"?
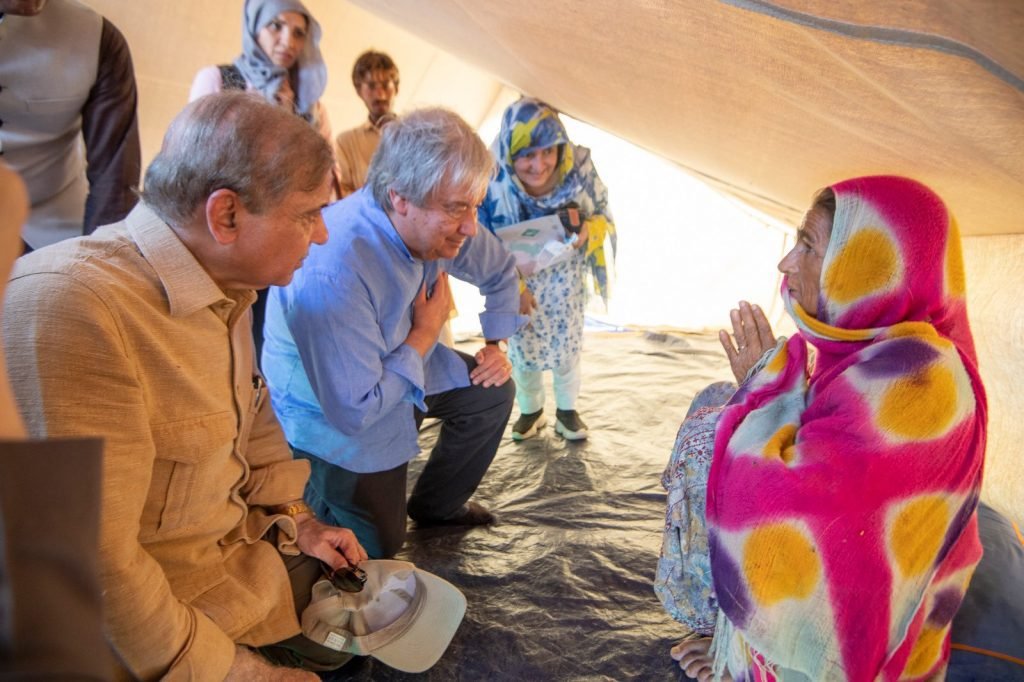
{"x": 765, "y": 101}
{"x": 745, "y": 108}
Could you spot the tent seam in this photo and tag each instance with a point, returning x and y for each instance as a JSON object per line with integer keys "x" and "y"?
{"x": 878, "y": 34}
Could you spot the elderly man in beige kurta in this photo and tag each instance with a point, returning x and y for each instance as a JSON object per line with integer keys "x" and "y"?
{"x": 140, "y": 334}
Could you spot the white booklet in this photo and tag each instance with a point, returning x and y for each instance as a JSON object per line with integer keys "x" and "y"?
{"x": 537, "y": 244}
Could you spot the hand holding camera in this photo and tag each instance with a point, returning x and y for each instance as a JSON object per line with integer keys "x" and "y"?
{"x": 571, "y": 218}
{"x": 574, "y": 223}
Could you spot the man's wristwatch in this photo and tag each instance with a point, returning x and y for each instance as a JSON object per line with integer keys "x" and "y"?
{"x": 295, "y": 508}
{"x": 500, "y": 343}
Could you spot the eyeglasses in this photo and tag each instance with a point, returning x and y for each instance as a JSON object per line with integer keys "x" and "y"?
{"x": 459, "y": 210}
{"x": 346, "y": 578}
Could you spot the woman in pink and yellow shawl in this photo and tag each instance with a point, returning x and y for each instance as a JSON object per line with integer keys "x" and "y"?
{"x": 842, "y": 492}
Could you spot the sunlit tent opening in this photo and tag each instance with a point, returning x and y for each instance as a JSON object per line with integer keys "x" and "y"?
{"x": 688, "y": 253}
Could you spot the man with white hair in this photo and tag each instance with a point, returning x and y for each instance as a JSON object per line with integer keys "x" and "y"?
{"x": 351, "y": 348}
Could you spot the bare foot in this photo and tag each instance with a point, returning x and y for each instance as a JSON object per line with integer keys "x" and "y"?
{"x": 696, "y": 660}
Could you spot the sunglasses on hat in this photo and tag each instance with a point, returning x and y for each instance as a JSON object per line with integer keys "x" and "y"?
{"x": 346, "y": 578}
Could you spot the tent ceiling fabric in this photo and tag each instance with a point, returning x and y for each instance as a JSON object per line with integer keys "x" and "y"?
{"x": 770, "y": 101}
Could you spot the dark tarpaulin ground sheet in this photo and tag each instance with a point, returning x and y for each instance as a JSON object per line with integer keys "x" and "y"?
{"x": 561, "y": 587}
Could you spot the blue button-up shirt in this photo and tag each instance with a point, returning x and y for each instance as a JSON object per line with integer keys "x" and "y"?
{"x": 343, "y": 381}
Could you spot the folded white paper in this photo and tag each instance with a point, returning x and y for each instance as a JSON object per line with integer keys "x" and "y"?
{"x": 537, "y": 244}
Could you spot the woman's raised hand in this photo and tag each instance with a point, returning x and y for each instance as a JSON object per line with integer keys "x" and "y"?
{"x": 753, "y": 336}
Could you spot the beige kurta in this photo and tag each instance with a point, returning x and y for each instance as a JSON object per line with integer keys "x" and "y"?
{"x": 124, "y": 335}
{"x": 354, "y": 150}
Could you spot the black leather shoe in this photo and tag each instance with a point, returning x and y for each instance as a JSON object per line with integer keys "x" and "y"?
{"x": 471, "y": 514}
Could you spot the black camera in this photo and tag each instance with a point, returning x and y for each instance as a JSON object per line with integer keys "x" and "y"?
{"x": 346, "y": 578}
{"x": 570, "y": 217}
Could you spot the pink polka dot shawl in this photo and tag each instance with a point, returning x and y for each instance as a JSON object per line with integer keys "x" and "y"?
{"x": 841, "y": 500}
